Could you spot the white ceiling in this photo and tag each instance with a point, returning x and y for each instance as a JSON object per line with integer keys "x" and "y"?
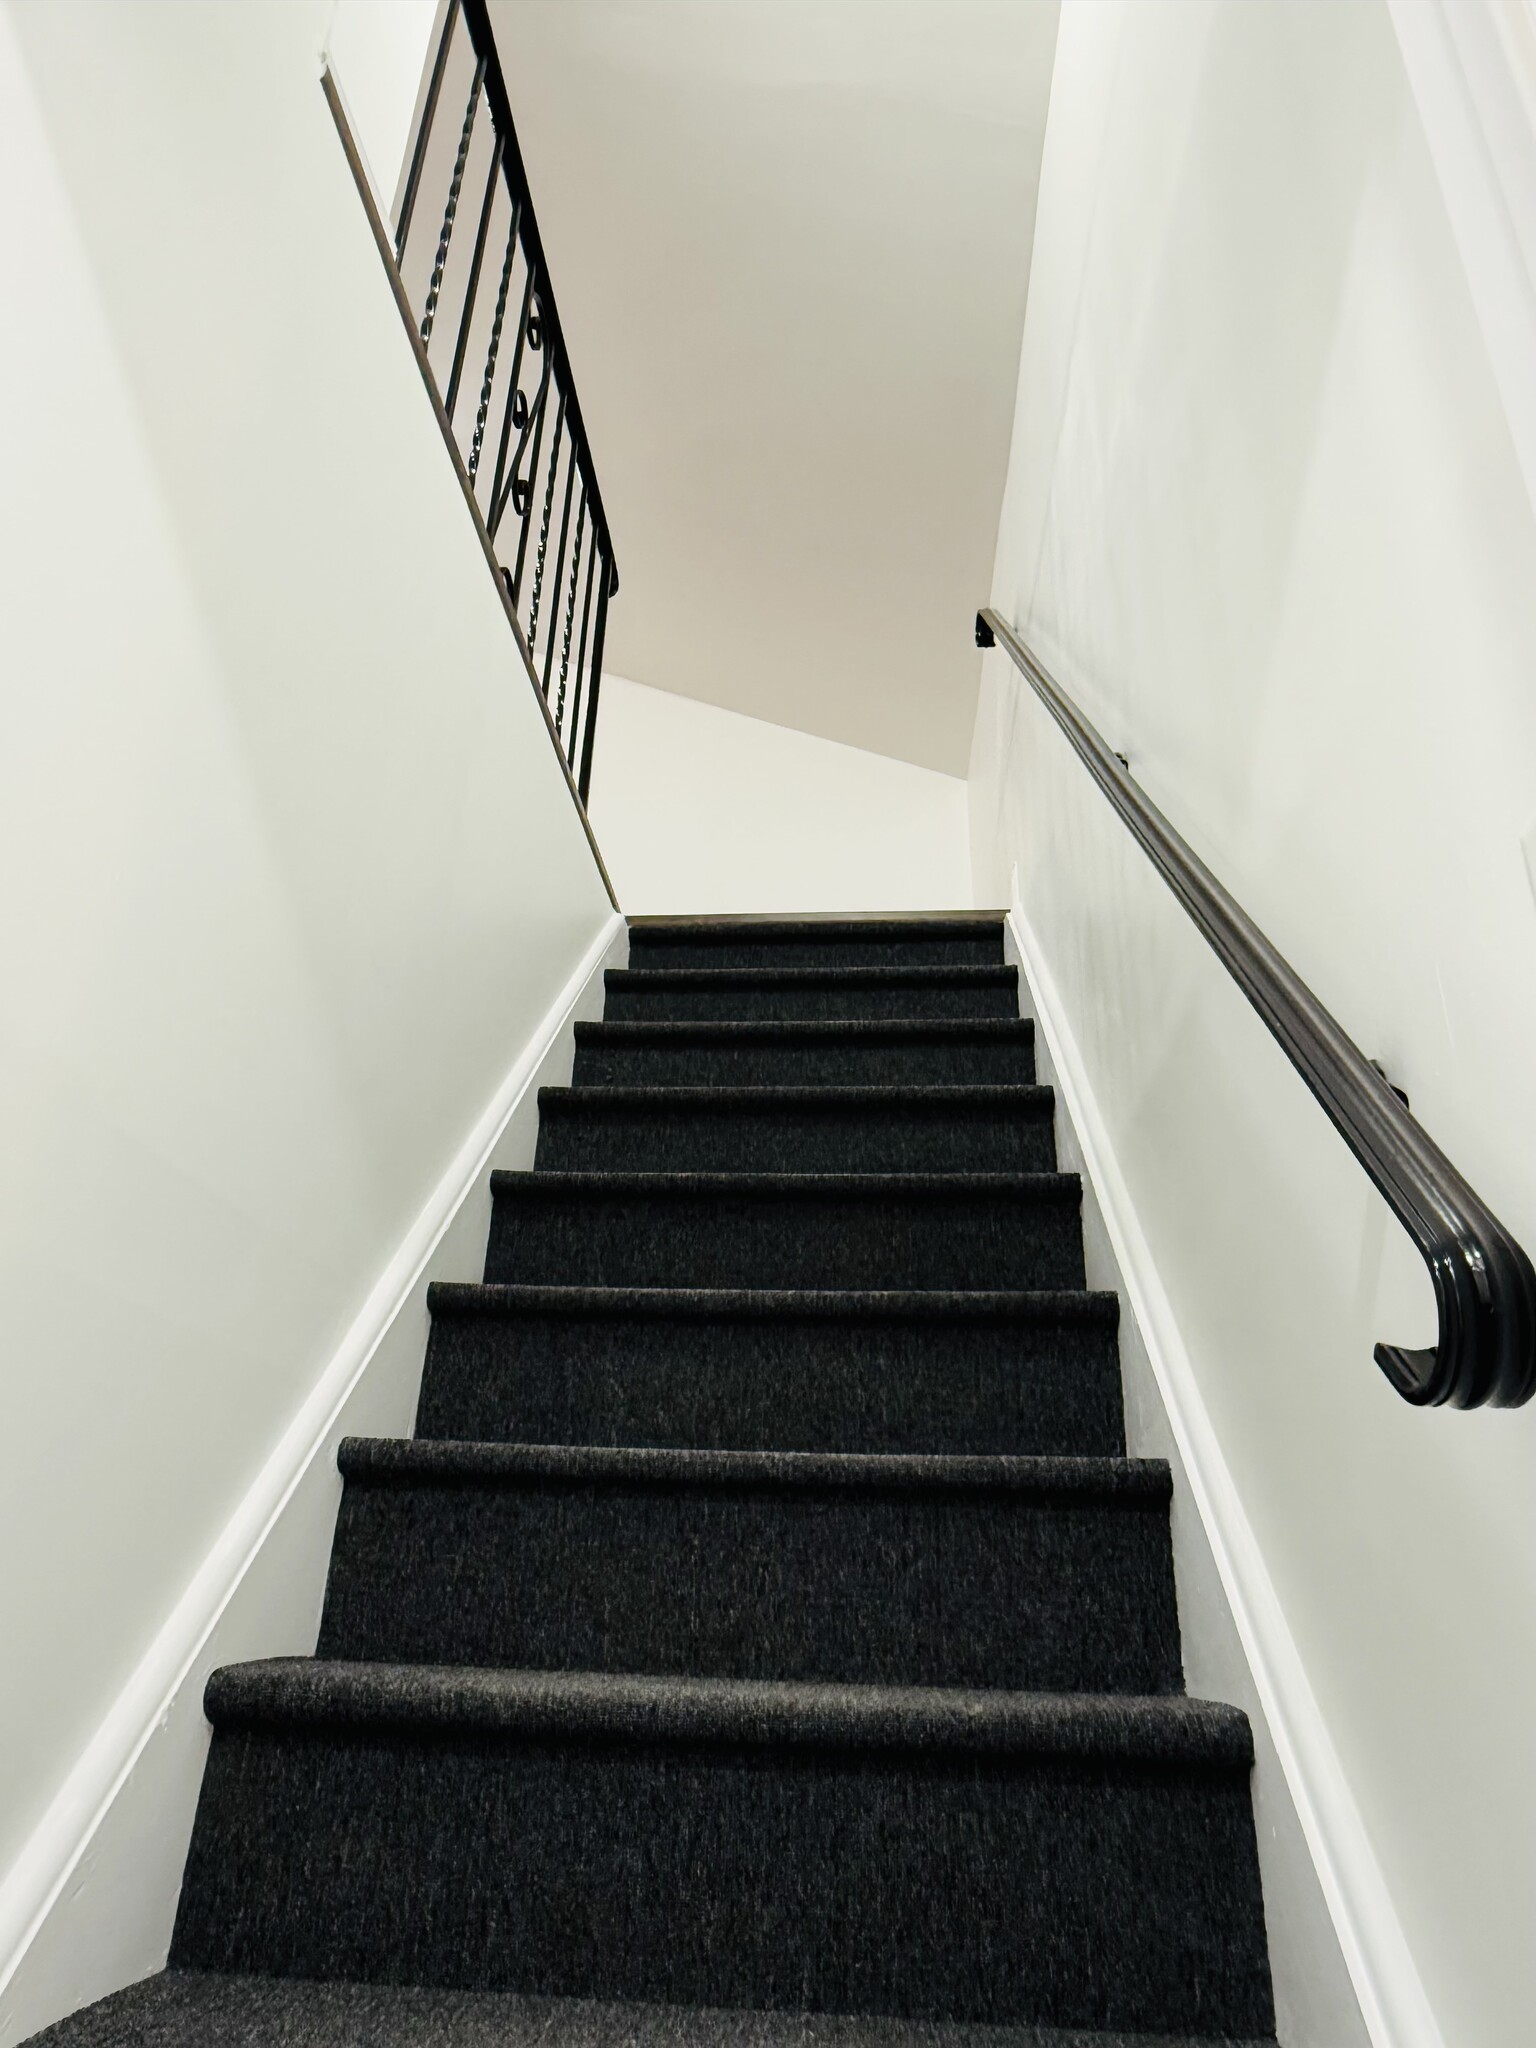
{"x": 790, "y": 242}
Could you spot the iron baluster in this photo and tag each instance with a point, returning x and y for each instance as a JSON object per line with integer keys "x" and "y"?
{"x": 558, "y": 577}
{"x": 584, "y": 779}
{"x": 549, "y": 506}
{"x": 472, "y": 289}
{"x": 487, "y": 382}
{"x": 424, "y": 132}
{"x": 519, "y": 486}
{"x": 450, "y": 211}
{"x": 570, "y": 607}
{"x": 581, "y": 650}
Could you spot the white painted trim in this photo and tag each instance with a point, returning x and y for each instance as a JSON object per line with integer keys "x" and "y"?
{"x": 63, "y": 1842}
{"x": 1395, "y": 2009}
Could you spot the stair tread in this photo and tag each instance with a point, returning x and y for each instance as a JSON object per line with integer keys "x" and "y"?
{"x": 407, "y": 1460}
{"x": 212, "y": 2009}
{"x": 932, "y": 1304}
{"x": 1131, "y": 1729}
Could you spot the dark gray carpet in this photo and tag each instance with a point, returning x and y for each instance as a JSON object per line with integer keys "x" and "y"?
{"x": 797, "y": 1130}
{"x": 974, "y": 1856}
{"x": 1053, "y": 1574}
{"x": 795, "y": 1371}
{"x": 992, "y": 1231}
{"x": 769, "y": 994}
{"x": 765, "y": 1639}
{"x": 198, "y": 2009}
{"x": 833, "y": 942}
{"x": 901, "y": 1053}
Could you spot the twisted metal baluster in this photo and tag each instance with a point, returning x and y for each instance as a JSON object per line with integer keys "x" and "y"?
{"x": 472, "y": 289}
{"x": 557, "y": 567}
{"x": 570, "y": 608}
{"x": 549, "y": 507}
{"x": 581, "y": 650}
{"x": 450, "y": 212}
{"x": 600, "y": 626}
{"x": 489, "y": 379}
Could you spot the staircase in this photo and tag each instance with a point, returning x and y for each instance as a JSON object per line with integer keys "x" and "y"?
{"x": 765, "y": 1620}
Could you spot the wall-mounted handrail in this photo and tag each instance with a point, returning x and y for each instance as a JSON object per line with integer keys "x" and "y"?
{"x": 508, "y": 396}
{"x": 1485, "y": 1288}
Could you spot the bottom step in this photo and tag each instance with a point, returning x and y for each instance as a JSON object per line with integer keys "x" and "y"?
{"x": 999, "y": 1858}
{"x": 196, "y": 2009}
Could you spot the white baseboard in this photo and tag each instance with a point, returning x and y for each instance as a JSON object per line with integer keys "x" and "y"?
{"x": 1342, "y": 1967}
{"x": 89, "y": 1904}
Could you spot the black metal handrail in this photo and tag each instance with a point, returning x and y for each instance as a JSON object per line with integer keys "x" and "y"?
{"x": 1485, "y": 1289}
{"x": 526, "y": 390}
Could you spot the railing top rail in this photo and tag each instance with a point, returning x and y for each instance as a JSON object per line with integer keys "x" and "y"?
{"x": 1485, "y": 1288}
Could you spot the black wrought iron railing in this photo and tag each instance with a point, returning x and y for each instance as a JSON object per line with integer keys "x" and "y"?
{"x": 1485, "y": 1289}
{"x": 472, "y": 266}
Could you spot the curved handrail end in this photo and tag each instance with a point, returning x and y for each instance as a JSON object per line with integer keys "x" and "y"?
{"x": 1409, "y": 1373}
{"x": 1485, "y": 1285}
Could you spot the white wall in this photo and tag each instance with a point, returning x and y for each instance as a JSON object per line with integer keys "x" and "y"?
{"x": 378, "y": 50}
{"x": 701, "y": 809}
{"x": 96, "y": 1888}
{"x": 290, "y": 872}
{"x": 1265, "y": 518}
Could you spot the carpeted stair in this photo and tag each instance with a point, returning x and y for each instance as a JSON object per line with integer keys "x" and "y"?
{"x": 765, "y": 1638}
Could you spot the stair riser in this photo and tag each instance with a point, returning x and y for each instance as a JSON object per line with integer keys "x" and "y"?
{"x": 985, "y": 950}
{"x": 901, "y": 1590}
{"x": 841, "y": 1064}
{"x": 672, "y": 1139}
{"x": 542, "y": 1237}
{"x": 775, "y": 1384}
{"x": 1087, "y": 1894}
{"x": 635, "y": 1003}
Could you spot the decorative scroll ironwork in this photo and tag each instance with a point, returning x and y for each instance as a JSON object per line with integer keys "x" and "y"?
{"x": 521, "y": 486}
